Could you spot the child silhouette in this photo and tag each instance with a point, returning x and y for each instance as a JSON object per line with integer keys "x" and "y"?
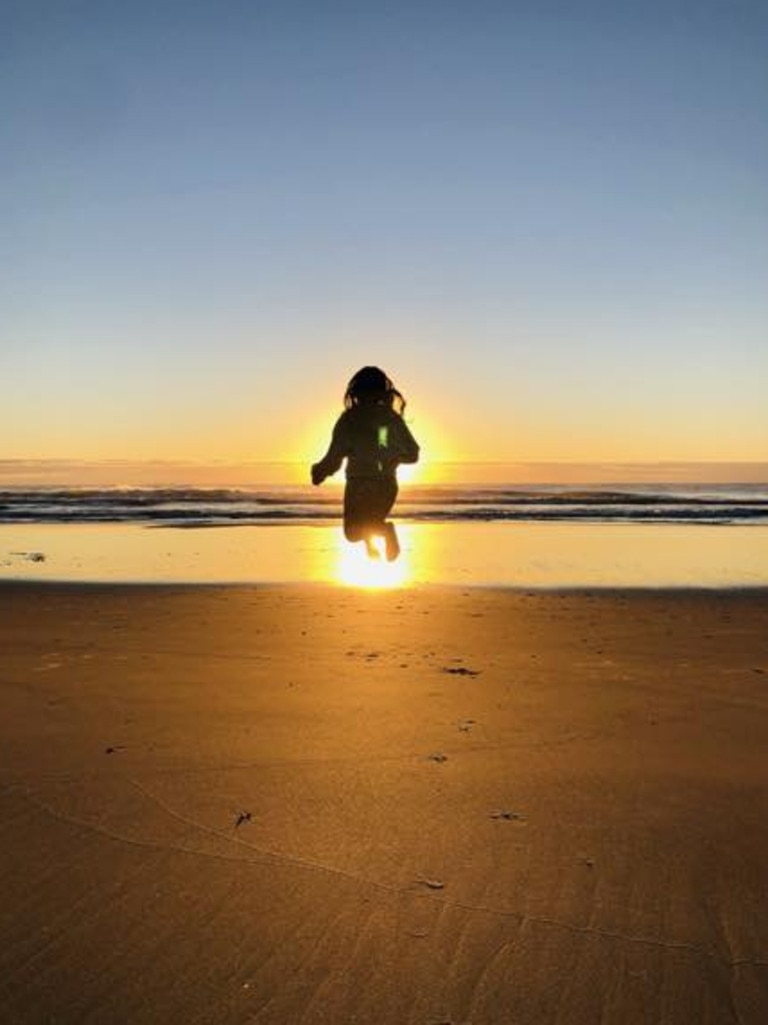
{"x": 373, "y": 437}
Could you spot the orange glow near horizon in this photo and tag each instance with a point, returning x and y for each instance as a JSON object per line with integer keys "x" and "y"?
{"x": 238, "y": 446}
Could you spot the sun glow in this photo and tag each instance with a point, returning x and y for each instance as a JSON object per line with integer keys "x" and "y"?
{"x": 355, "y": 569}
{"x": 409, "y": 473}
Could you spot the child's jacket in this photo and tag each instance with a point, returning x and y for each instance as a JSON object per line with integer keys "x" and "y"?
{"x": 373, "y": 439}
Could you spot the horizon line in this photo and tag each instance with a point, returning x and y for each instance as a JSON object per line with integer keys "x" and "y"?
{"x": 16, "y": 462}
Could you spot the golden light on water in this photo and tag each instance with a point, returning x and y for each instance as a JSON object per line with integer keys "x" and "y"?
{"x": 355, "y": 568}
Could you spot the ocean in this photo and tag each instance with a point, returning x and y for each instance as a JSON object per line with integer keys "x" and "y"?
{"x": 186, "y": 507}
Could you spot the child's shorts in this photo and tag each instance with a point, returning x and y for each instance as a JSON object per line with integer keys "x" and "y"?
{"x": 367, "y": 503}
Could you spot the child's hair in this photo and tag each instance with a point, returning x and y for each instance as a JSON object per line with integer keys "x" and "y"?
{"x": 373, "y": 385}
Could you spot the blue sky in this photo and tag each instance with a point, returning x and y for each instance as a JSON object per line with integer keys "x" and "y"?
{"x": 547, "y": 221}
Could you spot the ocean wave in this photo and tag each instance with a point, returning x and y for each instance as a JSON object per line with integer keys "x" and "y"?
{"x": 191, "y": 507}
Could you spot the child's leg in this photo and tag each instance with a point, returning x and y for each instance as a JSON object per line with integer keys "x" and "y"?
{"x": 354, "y": 519}
{"x": 355, "y": 531}
{"x": 367, "y": 503}
{"x": 391, "y": 542}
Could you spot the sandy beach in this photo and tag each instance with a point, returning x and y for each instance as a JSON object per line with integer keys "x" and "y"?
{"x": 440, "y": 806}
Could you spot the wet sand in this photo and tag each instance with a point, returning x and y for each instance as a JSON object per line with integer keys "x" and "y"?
{"x": 519, "y": 555}
{"x": 305, "y": 804}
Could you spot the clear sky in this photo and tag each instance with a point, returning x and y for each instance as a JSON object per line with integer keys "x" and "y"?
{"x": 546, "y": 219}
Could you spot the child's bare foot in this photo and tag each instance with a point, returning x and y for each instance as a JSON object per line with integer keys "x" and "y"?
{"x": 371, "y": 550}
{"x": 391, "y": 543}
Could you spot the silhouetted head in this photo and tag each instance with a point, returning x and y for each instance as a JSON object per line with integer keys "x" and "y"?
{"x": 371, "y": 386}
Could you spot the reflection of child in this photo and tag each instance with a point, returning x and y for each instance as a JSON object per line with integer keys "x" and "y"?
{"x": 373, "y": 437}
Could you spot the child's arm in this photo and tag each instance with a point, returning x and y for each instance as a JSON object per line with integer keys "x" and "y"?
{"x": 334, "y": 457}
{"x": 405, "y": 448}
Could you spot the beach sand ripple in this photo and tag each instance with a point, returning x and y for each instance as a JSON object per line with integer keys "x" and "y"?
{"x": 294, "y": 804}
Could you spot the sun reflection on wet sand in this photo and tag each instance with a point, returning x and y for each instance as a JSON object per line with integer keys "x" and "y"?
{"x": 356, "y": 569}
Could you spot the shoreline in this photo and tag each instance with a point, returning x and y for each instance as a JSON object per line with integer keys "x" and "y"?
{"x": 759, "y": 590}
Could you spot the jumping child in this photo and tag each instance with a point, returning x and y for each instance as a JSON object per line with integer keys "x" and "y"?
{"x": 373, "y": 437}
